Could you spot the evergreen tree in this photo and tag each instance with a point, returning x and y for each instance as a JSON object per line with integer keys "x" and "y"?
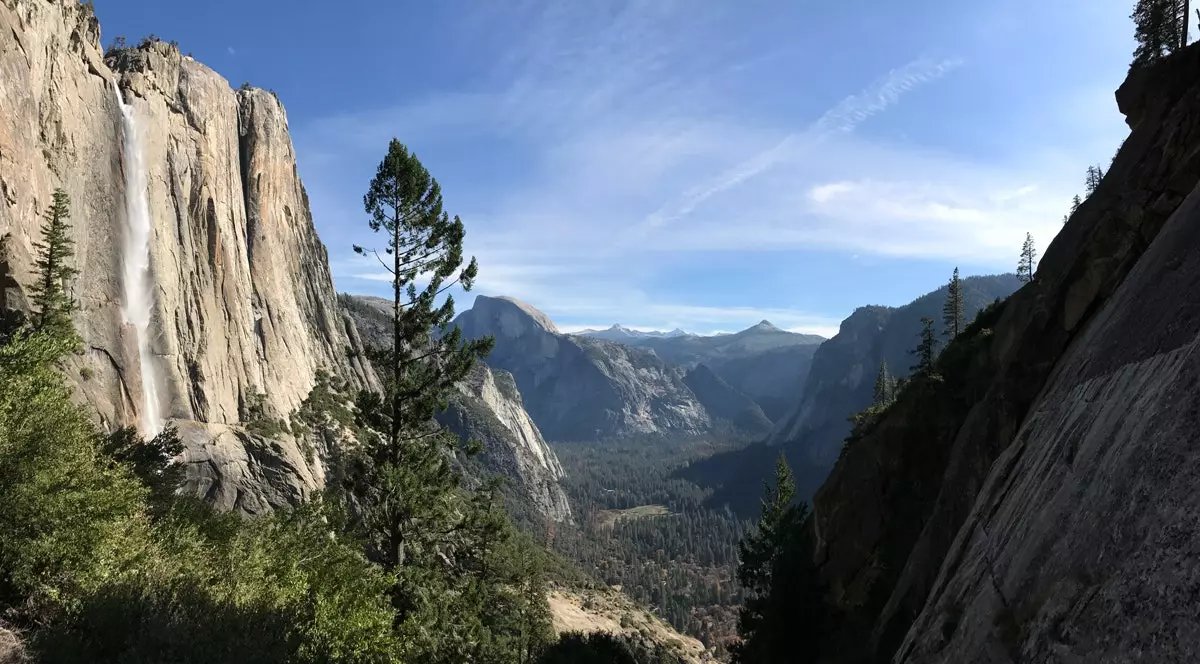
{"x": 1075, "y": 203}
{"x": 926, "y": 351}
{"x": 1027, "y": 263}
{"x": 401, "y": 485}
{"x": 1159, "y": 28}
{"x": 785, "y": 612}
{"x": 953, "y": 315}
{"x": 54, "y": 270}
{"x": 1094, "y": 176}
{"x": 884, "y": 386}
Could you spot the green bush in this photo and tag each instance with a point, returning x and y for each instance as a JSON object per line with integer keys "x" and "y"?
{"x": 83, "y": 563}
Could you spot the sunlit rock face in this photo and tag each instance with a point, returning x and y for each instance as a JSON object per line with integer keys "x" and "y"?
{"x": 242, "y": 298}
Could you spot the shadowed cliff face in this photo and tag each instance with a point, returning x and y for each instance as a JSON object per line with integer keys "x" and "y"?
{"x": 1040, "y": 505}
{"x": 244, "y": 302}
{"x": 842, "y": 378}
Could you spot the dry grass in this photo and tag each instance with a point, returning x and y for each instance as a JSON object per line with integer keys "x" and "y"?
{"x": 606, "y": 518}
{"x": 611, "y": 611}
{"x": 12, "y": 649}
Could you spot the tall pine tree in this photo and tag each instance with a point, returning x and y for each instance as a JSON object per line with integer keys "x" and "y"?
{"x": 885, "y": 386}
{"x": 785, "y": 612}
{"x": 953, "y": 315}
{"x": 401, "y": 485}
{"x": 1028, "y": 261}
{"x": 49, "y": 294}
{"x": 1160, "y": 27}
{"x": 926, "y": 350}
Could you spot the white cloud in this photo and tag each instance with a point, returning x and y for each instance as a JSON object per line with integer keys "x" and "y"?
{"x": 231, "y": 50}
{"x": 635, "y": 157}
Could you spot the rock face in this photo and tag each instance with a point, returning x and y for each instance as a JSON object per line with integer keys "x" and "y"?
{"x": 489, "y": 409}
{"x": 244, "y": 301}
{"x": 1046, "y": 509}
{"x": 580, "y": 388}
{"x": 842, "y": 378}
{"x": 763, "y": 362}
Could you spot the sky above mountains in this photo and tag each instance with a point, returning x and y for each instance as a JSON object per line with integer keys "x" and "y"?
{"x": 668, "y": 163}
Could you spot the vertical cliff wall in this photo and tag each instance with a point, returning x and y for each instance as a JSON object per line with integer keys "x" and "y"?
{"x": 1039, "y": 505}
{"x": 244, "y": 301}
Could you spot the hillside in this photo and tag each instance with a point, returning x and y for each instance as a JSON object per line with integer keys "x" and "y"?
{"x": 1034, "y": 502}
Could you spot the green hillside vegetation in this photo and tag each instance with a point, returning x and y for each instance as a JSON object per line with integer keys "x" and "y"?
{"x": 650, "y": 533}
{"x": 100, "y": 561}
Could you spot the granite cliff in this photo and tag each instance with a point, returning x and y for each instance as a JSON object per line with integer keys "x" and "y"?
{"x": 842, "y": 377}
{"x": 581, "y": 388}
{"x": 1037, "y": 502}
{"x": 244, "y": 311}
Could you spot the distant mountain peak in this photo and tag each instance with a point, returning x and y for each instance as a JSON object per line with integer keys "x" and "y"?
{"x": 766, "y": 326}
{"x": 494, "y": 306}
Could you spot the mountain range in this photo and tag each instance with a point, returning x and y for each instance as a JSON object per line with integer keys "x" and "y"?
{"x": 580, "y": 387}
{"x": 839, "y": 383}
{"x": 619, "y": 332}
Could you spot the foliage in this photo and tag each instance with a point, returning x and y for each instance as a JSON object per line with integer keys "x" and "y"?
{"x": 953, "y": 310}
{"x": 680, "y": 559}
{"x": 149, "y": 461}
{"x": 401, "y": 482}
{"x": 926, "y": 350}
{"x": 1028, "y": 262}
{"x": 255, "y": 418}
{"x": 606, "y": 648}
{"x": 54, "y": 305}
{"x": 1160, "y": 27}
{"x": 101, "y": 562}
{"x": 885, "y": 386}
{"x": 785, "y": 613}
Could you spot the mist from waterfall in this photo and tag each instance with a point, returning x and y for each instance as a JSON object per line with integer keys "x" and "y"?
{"x": 139, "y": 295}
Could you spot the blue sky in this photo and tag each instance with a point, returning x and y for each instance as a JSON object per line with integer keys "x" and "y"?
{"x": 700, "y": 164}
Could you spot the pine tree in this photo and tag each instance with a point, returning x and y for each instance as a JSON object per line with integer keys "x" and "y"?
{"x": 1027, "y": 263}
{"x": 884, "y": 386}
{"x": 49, "y": 293}
{"x": 1159, "y": 29}
{"x": 1094, "y": 175}
{"x": 926, "y": 351}
{"x": 785, "y": 612}
{"x": 953, "y": 315}
{"x": 401, "y": 486}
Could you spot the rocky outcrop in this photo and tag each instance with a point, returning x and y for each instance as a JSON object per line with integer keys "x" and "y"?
{"x": 579, "y": 388}
{"x": 489, "y": 410}
{"x": 244, "y": 301}
{"x": 1043, "y": 509}
{"x": 842, "y": 378}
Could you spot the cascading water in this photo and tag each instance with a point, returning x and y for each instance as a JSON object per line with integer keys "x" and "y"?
{"x": 139, "y": 298}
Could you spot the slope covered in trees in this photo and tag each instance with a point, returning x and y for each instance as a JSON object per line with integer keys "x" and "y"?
{"x": 951, "y": 529}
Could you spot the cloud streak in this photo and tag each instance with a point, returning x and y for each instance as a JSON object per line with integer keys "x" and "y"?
{"x": 606, "y": 149}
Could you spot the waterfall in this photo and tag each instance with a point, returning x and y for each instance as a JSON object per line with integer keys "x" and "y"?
{"x": 139, "y": 296}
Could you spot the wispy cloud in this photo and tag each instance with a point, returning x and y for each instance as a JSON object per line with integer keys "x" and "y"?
{"x": 842, "y": 118}
{"x": 607, "y": 145}
{"x": 231, "y": 50}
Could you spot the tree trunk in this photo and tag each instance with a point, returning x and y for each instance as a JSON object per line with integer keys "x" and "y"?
{"x": 1183, "y": 29}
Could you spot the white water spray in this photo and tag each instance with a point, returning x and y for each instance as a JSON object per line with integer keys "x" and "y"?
{"x": 139, "y": 298}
